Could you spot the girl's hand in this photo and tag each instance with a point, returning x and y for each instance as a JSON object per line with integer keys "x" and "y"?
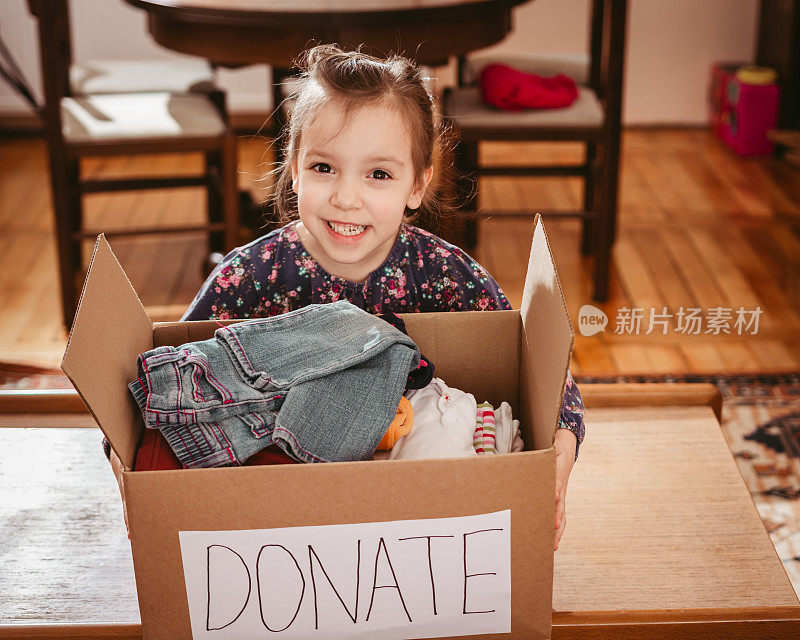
{"x": 116, "y": 467}
{"x": 565, "y": 444}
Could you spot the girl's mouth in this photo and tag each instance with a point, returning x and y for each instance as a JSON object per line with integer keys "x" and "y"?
{"x": 347, "y": 229}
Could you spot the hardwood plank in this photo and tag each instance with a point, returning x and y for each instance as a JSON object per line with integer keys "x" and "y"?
{"x": 786, "y": 272}
{"x": 731, "y": 283}
{"x": 738, "y": 181}
{"x": 777, "y": 197}
{"x": 29, "y": 315}
{"x": 703, "y": 357}
{"x": 635, "y": 275}
{"x": 20, "y": 176}
{"x": 547, "y": 194}
{"x": 738, "y": 357}
{"x": 592, "y": 357}
{"x": 760, "y": 272}
{"x": 714, "y": 190}
{"x": 666, "y": 359}
{"x": 657, "y": 181}
{"x": 630, "y": 358}
{"x": 636, "y": 199}
{"x": 694, "y": 272}
{"x": 673, "y": 290}
{"x": 15, "y": 264}
{"x": 784, "y": 238}
{"x": 683, "y": 183}
{"x": 774, "y": 354}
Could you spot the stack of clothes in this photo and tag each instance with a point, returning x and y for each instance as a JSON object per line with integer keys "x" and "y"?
{"x": 326, "y": 383}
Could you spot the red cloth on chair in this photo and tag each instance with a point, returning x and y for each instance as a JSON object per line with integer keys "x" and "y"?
{"x": 513, "y": 90}
{"x": 155, "y": 454}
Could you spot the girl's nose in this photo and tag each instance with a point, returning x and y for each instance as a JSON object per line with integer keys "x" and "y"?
{"x": 345, "y": 195}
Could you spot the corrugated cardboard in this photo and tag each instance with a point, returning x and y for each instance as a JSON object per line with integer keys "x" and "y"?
{"x": 520, "y": 357}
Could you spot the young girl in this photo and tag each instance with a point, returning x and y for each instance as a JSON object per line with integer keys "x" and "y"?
{"x": 358, "y": 160}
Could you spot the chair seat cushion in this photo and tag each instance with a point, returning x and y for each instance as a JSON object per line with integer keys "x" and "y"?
{"x": 572, "y": 65}
{"x": 131, "y": 116}
{"x": 468, "y": 111}
{"x": 134, "y": 76}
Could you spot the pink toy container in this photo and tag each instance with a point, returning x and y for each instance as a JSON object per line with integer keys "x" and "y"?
{"x": 749, "y": 111}
{"x": 722, "y": 73}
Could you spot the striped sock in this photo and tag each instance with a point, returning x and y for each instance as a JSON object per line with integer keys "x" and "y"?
{"x": 477, "y": 437}
{"x": 488, "y": 427}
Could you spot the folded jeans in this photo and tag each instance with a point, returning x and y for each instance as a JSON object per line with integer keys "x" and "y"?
{"x": 323, "y": 383}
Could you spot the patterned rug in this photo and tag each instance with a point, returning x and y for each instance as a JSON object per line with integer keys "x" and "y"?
{"x": 760, "y": 421}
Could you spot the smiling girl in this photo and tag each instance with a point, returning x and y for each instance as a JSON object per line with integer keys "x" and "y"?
{"x": 359, "y": 153}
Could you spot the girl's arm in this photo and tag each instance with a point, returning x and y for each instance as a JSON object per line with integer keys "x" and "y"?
{"x": 572, "y": 411}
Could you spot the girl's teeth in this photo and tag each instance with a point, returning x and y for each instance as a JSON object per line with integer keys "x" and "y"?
{"x": 347, "y": 229}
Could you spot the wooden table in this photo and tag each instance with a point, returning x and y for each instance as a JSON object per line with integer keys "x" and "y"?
{"x": 239, "y": 32}
{"x": 662, "y": 542}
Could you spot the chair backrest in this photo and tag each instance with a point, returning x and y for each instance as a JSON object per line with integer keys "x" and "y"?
{"x": 608, "y": 55}
{"x": 55, "y": 57}
{"x": 596, "y": 31}
{"x": 606, "y": 26}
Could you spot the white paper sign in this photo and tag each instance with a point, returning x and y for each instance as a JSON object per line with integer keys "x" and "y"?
{"x": 376, "y": 580}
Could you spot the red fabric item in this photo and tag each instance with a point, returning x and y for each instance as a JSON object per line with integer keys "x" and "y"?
{"x": 155, "y": 454}
{"x": 510, "y": 89}
{"x": 273, "y": 454}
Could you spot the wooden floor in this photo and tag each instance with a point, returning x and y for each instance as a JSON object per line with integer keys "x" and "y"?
{"x": 699, "y": 227}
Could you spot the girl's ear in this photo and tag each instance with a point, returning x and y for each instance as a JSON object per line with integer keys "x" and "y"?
{"x": 293, "y": 165}
{"x": 415, "y": 199}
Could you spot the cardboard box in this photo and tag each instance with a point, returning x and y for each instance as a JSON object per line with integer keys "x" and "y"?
{"x": 517, "y": 356}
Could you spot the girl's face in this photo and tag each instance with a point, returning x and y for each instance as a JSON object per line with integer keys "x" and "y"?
{"x": 354, "y": 178}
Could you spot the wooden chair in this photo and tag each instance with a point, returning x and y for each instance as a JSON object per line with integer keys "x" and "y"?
{"x": 593, "y": 119}
{"x": 121, "y": 123}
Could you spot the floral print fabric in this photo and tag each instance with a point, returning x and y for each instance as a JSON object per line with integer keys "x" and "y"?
{"x": 275, "y": 274}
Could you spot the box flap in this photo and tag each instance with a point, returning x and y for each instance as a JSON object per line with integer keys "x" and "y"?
{"x": 110, "y": 330}
{"x": 546, "y": 342}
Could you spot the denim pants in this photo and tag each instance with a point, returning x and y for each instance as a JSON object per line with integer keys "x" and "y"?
{"x": 322, "y": 382}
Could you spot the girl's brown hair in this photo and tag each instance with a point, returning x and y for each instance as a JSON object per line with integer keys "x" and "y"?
{"x": 356, "y": 79}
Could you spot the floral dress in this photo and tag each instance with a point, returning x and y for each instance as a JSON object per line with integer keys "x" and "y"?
{"x": 275, "y": 274}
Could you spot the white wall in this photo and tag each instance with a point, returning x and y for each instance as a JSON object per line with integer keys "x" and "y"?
{"x": 671, "y": 45}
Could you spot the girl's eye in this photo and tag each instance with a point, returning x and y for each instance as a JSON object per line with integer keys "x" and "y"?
{"x": 380, "y": 174}
{"x": 322, "y": 167}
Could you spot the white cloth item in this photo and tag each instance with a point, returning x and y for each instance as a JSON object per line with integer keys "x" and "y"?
{"x": 506, "y": 430}
{"x": 139, "y": 115}
{"x": 518, "y": 444}
{"x": 444, "y": 423}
